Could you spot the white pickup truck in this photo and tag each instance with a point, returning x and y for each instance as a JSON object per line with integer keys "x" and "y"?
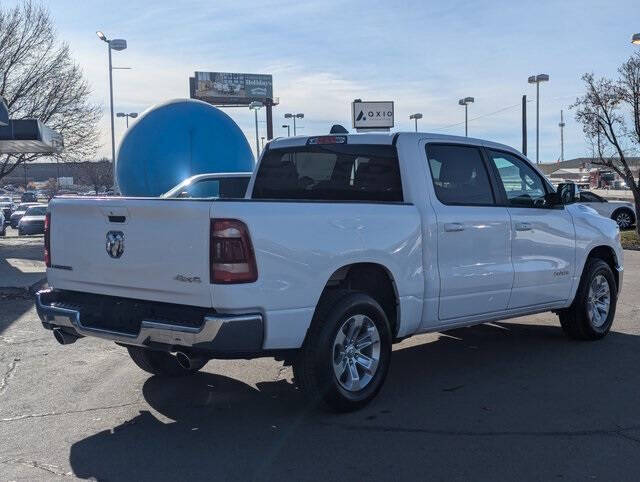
{"x": 343, "y": 245}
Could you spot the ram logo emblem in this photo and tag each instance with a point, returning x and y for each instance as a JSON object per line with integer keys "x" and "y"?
{"x": 115, "y": 243}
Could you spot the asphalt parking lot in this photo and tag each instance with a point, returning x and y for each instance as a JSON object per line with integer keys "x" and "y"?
{"x": 511, "y": 400}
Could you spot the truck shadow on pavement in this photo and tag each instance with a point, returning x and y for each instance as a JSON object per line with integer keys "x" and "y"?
{"x": 501, "y": 400}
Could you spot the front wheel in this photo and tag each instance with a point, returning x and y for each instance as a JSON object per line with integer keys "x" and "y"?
{"x": 591, "y": 314}
{"x": 346, "y": 355}
{"x": 160, "y": 363}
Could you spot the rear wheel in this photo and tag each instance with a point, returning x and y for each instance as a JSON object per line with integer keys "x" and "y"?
{"x": 160, "y": 362}
{"x": 591, "y": 315}
{"x": 624, "y": 218}
{"x": 346, "y": 355}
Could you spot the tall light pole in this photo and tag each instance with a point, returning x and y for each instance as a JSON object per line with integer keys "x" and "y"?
{"x": 133, "y": 115}
{"x": 288, "y": 127}
{"x": 113, "y": 44}
{"x": 635, "y": 39}
{"x": 294, "y": 117}
{"x": 536, "y": 79}
{"x": 415, "y": 118}
{"x": 465, "y": 102}
{"x": 262, "y": 143}
{"x": 561, "y": 125}
{"x": 255, "y": 107}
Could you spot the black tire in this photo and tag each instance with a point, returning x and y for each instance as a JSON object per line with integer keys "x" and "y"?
{"x": 160, "y": 362}
{"x": 626, "y": 211}
{"x": 313, "y": 369}
{"x": 575, "y": 320}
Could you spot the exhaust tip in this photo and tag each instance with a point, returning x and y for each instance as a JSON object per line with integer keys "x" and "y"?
{"x": 62, "y": 337}
{"x": 183, "y": 360}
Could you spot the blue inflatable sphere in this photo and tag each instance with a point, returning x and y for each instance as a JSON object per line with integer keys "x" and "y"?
{"x": 176, "y": 140}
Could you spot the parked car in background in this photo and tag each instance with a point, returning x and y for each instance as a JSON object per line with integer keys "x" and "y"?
{"x": 212, "y": 186}
{"x": 33, "y": 220}
{"x": 29, "y": 197}
{"x": 622, "y": 212}
{"x": 342, "y": 245}
{"x": 6, "y": 206}
{"x": 18, "y": 213}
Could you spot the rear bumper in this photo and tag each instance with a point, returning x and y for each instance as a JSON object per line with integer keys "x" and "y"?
{"x": 218, "y": 334}
{"x": 31, "y": 228}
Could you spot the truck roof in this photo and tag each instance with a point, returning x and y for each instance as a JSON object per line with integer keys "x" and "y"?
{"x": 388, "y": 137}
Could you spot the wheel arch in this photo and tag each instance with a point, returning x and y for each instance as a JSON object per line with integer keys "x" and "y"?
{"x": 608, "y": 255}
{"x": 372, "y": 278}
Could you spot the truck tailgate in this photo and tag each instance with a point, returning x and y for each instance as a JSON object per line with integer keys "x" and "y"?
{"x": 165, "y": 255}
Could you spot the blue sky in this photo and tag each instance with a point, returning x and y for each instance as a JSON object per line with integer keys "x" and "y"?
{"x": 424, "y": 55}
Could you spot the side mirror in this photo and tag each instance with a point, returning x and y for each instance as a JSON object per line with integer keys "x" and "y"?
{"x": 568, "y": 192}
{"x": 552, "y": 199}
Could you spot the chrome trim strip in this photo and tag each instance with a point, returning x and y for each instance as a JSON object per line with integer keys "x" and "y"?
{"x": 150, "y": 330}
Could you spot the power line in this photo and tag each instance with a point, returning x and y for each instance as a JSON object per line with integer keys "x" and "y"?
{"x": 519, "y": 104}
{"x": 481, "y": 116}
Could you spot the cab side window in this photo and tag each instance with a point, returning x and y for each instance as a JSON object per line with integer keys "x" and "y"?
{"x": 523, "y": 185}
{"x": 459, "y": 175}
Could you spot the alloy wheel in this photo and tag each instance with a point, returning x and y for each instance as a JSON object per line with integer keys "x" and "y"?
{"x": 598, "y": 301}
{"x": 356, "y": 352}
{"x": 624, "y": 220}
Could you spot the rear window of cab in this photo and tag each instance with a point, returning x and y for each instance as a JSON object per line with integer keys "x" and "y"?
{"x": 336, "y": 172}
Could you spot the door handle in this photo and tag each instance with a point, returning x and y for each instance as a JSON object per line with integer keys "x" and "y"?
{"x": 523, "y": 226}
{"x": 453, "y": 227}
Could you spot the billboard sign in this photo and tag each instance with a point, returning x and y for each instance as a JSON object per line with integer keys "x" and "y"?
{"x": 228, "y": 88}
{"x": 372, "y": 115}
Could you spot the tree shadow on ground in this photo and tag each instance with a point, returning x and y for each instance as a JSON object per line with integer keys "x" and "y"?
{"x": 502, "y": 400}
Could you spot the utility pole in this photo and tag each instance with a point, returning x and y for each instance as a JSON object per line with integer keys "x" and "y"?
{"x": 561, "y": 125}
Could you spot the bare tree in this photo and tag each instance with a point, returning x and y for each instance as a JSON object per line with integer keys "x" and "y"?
{"x": 38, "y": 79}
{"x": 97, "y": 174}
{"x": 610, "y": 116}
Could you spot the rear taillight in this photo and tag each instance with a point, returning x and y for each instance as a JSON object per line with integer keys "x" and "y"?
{"x": 230, "y": 253}
{"x": 47, "y": 240}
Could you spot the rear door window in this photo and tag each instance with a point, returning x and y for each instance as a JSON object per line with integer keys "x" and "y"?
{"x": 338, "y": 172}
{"x": 459, "y": 175}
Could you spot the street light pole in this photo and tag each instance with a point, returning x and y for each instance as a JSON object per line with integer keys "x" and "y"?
{"x": 113, "y": 138}
{"x": 294, "y": 116}
{"x": 133, "y": 115}
{"x": 465, "y": 102}
{"x": 255, "y": 106}
{"x": 415, "y": 117}
{"x": 536, "y": 79}
{"x": 112, "y": 44}
{"x": 288, "y": 129}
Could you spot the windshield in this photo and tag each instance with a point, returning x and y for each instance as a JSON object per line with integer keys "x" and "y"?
{"x": 211, "y": 188}
{"x": 36, "y": 211}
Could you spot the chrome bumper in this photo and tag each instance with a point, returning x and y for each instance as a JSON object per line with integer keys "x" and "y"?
{"x": 218, "y": 333}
